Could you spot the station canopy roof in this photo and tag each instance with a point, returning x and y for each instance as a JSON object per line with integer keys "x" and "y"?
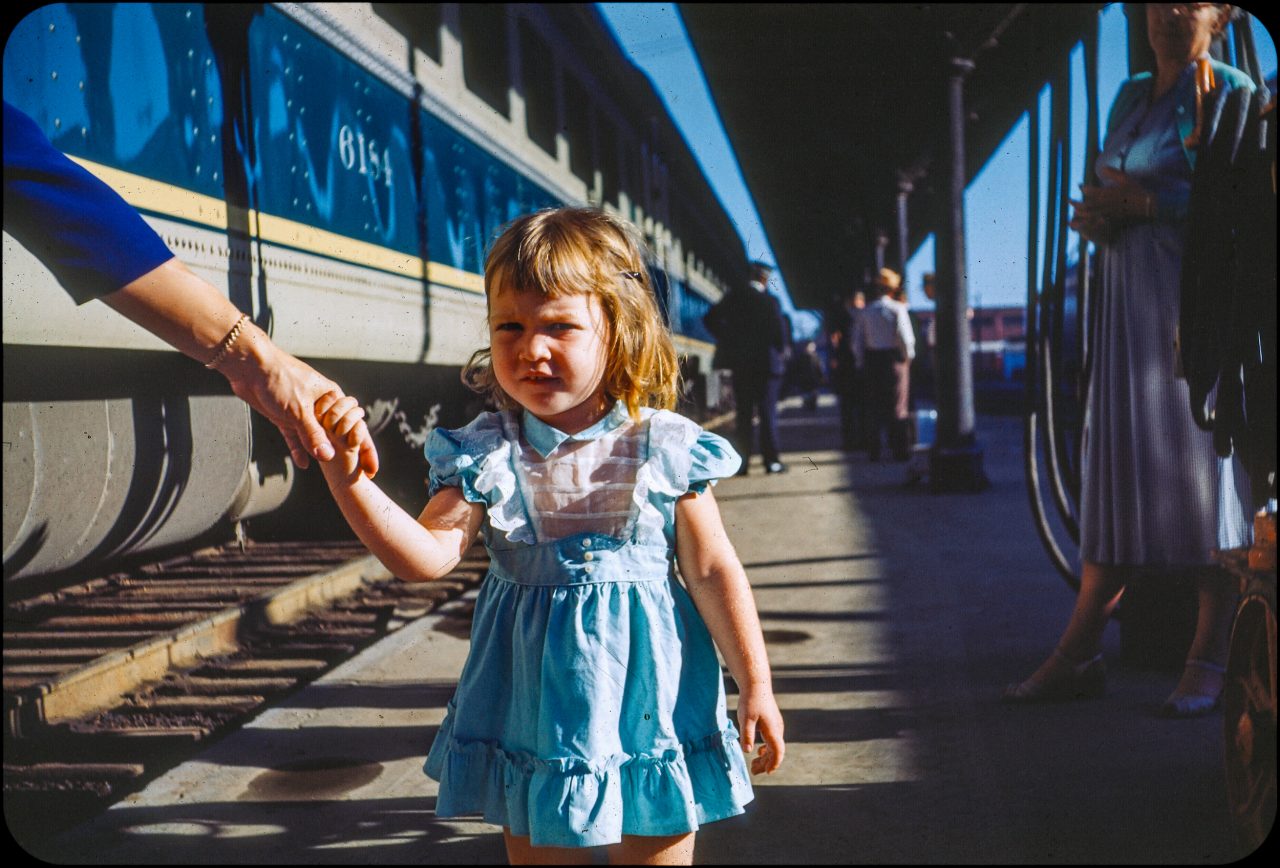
{"x": 826, "y": 104}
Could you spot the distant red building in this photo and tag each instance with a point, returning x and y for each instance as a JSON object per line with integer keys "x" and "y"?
{"x": 997, "y": 336}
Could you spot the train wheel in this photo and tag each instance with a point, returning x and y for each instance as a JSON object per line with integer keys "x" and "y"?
{"x": 1249, "y": 706}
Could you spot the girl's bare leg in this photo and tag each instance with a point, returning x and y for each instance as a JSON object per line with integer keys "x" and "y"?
{"x": 521, "y": 852}
{"x": 653, "y": 850}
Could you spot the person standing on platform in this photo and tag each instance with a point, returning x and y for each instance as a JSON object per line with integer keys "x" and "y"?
{"x": 884, "y": 345}
{"x": 925, "y": 367}
{"x": 97, "y": 246}
{"x": 753, "y": 340}
{"x": 907, "y": 431}
{"x": 809, "y": 377}
{"x": 845, "y": 377}
{"x": 1153, "y": 493}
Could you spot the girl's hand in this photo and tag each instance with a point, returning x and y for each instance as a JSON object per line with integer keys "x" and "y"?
{"x": 757, "y": 707}
{"x": 342, "y": 418}
{"x": 284, "y": 389}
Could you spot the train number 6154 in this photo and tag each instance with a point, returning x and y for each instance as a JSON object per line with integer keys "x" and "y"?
{"x": 353, "y": 149}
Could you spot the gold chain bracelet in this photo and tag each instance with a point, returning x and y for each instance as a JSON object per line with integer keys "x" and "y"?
{"x": 228, "y": 341}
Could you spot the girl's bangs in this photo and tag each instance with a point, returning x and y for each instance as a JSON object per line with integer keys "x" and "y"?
{"x": 552, "y": 267}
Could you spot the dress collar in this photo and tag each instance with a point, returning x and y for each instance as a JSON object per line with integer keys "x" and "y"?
{"x": 546, "y": 439}
{"x": 1183, "y": 83}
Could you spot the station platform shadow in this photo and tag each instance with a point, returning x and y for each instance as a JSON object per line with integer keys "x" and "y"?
{"x": 936, "y": 604}
{"x": 893, "y": 618}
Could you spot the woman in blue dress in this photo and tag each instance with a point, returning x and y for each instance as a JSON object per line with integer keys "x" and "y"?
{"x": 591, "y": 709}
{"x": 1154, "y": 491}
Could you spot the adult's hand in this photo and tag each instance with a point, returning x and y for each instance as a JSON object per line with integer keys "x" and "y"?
{"x": 186, "y": 311}
{"x": 1090, "y": 228}
{"x": 1102, "y": 209}
{"x": 285, "y": 390}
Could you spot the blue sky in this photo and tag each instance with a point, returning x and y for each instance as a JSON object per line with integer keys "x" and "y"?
{"x": 654, "y": 36}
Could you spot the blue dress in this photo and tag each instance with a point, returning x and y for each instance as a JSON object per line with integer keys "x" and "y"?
{"x": 592, "y": 703}
{"x": 1154, "y": 491}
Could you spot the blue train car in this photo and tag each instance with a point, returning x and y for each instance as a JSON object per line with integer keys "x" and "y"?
{"x": 339, "y": 170}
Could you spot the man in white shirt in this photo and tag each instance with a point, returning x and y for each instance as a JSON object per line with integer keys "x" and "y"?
{"x": 884, "y": 345}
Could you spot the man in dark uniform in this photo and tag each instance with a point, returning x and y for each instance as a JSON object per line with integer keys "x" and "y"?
{"x": 846, "y": 379}
{"x": 753, "y": 341}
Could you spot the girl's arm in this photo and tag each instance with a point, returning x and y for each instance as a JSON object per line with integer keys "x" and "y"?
{"x": 414, "y": 550}
{"x": 719, "y": 588}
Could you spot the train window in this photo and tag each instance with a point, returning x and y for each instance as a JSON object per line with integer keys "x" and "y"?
{"x": 484, "y": 52}
{"x": 417, "y": 22}
{"x": 631, "y": 182}
{"x": 577, "y": 104}
{"x": 537, "y": 73}
{"x": 608, "y": 159}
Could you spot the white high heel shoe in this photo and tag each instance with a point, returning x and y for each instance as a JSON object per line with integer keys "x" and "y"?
{"x": 1083, "y": 680}
{"x": 1193, "y": 703}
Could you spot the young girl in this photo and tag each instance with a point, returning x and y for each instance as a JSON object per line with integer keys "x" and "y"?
{"x": 591, "y": 709}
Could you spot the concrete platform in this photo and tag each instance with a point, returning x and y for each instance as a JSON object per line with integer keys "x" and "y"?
{"x": 893, "y": 617}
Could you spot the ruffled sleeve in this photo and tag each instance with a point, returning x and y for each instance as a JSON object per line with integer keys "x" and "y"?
{"x": 685, "y": 458}
{"x": 713, "y": 460}
{"x": 457, "y": 457}
{"x": 451, "y": 465}
{"x": 477, "y": 459}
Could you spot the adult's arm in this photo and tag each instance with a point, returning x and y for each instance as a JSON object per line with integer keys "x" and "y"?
{"x": 97, "y": 246}
{"x": 92, "y": 240}
{"x": 906, "y": 335}
{"x": 192, "y": 316}
{"x": 858, "y": 342}
{"x": 781, "y": 325}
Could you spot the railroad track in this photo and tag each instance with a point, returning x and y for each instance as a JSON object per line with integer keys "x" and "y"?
{"x": 113, "y": 681}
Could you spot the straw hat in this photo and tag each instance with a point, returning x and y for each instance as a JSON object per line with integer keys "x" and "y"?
{"x": 889, "y": 279}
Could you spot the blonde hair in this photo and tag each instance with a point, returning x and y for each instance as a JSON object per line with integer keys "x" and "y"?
{"x": 568, "y": 251}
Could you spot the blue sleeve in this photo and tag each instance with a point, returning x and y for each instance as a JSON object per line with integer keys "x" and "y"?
{"x": 713, "y": 460}
{"x": 92, "y": 240}
{"x": 452, "y": 465}
{"x": 1126, "y": 98}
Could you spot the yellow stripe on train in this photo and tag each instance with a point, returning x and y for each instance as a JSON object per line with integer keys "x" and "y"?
{"x": 158, "y": 197}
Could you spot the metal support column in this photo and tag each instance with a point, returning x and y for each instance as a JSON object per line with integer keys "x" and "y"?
{"x": 882, "y": 242}
{"x": 904, "y": 191}
{"x": 955, "y": 463}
